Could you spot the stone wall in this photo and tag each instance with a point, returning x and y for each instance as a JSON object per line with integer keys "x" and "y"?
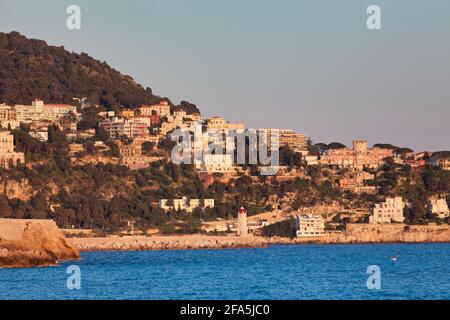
{"x": 379, "y": 233}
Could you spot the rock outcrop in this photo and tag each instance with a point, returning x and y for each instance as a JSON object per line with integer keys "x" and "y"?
{"x": 33, "y": 243}
{"x": 13, "y": 189}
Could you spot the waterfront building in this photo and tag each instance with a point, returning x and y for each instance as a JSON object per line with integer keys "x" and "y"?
{"x": 439, "y": 207}
{"x": 360, "y": 156}
{"x": 8, "y": 157}
{"x": 390, "y": 211}
{"x": 161, "y": 109}
{"x": 242, "y": 227}
{"x": 185, "y": 204}
{"x": 309, "y": 225}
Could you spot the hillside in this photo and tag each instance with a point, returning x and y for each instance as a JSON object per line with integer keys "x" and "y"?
{"x": 31, "y": 68}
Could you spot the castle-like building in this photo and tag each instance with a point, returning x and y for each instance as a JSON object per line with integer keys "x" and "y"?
{"x": 360, "y": 156}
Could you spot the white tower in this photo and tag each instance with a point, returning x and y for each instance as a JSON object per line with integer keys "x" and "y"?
{"x": 242, "y": 223}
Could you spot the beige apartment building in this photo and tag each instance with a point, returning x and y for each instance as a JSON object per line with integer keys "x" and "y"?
{"x": 8, "y": 157}
{"x": 161, "y": 109}
{"x": 131, "y": 128}
{"x": 186, "y": 204}
{"x": 7, "y": 113}
{"x": 309, "y": 225}
{"x": 275, "y": 138}
{"x": 358, "y": 157}
{"x": 390, "y": 211}
{"x": 223, "y": 126}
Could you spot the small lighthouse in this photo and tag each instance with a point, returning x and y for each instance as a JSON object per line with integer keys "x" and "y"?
{"x": 242, "y": 229}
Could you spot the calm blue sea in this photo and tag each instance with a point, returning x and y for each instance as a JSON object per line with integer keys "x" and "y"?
{"x": 280, "y": 272}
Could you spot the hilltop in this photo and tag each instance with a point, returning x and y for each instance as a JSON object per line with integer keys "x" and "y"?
{"x": 30, "y": 68}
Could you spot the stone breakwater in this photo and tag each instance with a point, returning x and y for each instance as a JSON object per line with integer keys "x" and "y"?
{"x": 136, "y": 243}
{"x": 355, "y": 233}
{"x": 33, "y": 243}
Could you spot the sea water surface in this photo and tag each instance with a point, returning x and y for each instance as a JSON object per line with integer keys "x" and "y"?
{"x": 422, "y": 271}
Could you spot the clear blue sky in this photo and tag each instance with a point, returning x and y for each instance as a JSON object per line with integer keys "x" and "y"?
{"x": 307, "y": 65}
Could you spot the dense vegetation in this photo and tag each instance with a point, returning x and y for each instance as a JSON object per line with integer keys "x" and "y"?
{"x": 285, "y": 229}
{"x": 30, "y": 69}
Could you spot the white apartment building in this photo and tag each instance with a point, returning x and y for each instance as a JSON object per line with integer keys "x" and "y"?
{"x": 439, "y": 207}
{"x": 309, "y": 225}
{"x": 39, "y": 111}
{"x": 132, "y": 128}
{"x": 390, "y": 211}
{"x": 186, "y": 204}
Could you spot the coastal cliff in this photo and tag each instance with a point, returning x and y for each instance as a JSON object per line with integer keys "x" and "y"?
{"x": 33, "y": 243}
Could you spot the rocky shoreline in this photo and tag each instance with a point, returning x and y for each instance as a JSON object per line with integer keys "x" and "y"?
{"x": 33, "y": 243}
{"x": 40, "y": 243}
